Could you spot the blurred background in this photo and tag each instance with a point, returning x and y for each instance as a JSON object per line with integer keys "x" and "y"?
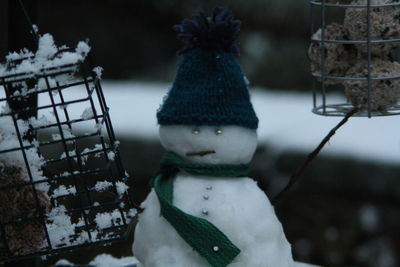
{"x": 345, "y": 209}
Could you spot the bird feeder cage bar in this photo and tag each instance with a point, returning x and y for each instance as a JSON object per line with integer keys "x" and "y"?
{"x": 369, "y": 57}
{"x": 322, "y": 103}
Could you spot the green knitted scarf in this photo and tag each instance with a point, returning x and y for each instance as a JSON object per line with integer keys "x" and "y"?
{"x": 199, "y": 233}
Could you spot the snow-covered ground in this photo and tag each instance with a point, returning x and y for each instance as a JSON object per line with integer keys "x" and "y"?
{"x": 286, "y": 121}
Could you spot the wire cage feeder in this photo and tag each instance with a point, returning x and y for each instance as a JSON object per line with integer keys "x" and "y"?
{"x": 354, "y": 55}
{"x": 62, "y": 183}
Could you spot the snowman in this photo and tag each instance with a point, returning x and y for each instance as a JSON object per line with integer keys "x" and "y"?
{"x": 203, "y": 210}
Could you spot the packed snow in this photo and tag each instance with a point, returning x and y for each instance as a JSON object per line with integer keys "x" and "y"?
{"x": 236, "y": 206}
{"x": 181, "y": 140}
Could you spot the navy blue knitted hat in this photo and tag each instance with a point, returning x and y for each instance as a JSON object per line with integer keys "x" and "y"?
{"x": 209, "y": 87}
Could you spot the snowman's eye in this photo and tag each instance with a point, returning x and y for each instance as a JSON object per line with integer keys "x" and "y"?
{"x": 195, "y": 131}
{"x": 218, "y": 131}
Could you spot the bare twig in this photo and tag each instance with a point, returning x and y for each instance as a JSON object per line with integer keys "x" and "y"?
{"x": 295, "y": 177}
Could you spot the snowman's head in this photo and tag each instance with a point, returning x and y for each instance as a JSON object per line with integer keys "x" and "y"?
{"x": 209, "y": 89}
{"x": 210, "y": 144}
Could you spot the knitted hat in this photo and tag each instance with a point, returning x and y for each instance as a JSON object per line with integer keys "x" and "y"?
{"x": 209, "y": 87}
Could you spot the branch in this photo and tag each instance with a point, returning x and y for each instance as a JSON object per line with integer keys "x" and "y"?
{"x": 295, "y": 177}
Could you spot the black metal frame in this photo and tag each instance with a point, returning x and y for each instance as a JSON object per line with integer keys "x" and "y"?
{"x": 320, "y": 105}
{"x": 81, "y": 176}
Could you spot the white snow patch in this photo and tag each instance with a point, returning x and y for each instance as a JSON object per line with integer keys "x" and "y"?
{"x": 106, "y": 260}
{"x": 83, "y": 48}
{"x": 111, "y": 155}
{"x": 9, "y": 140}
{"x": 47, "y": 56}
{"x": 64, "y": 262}
{"x": 102, "y": 186}
{"x": 121, "y": 188}
{"x": 66, "y": 133}
{"x": 87, "y": 113}
{"x": 108, "y": 219}
{"x": 47, "y": 48}
{"x": 286, "y": 121}
{"x": 98, "y": 71}
{"x": 62, "y": 190}
{"x": 42, "y": 121}
{"x": 62, "y": 230}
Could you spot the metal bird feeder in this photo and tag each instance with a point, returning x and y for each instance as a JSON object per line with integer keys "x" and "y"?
{"x": 354, "y": 51}
{"x": 62, "y": 182}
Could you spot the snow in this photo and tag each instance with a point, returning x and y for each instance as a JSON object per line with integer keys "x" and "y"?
{"x": 47, "y": 48}
{"x": 99, "y": 71}
{"x": 105, "y": 260}
{"x": 62, "y": 190}
{"x": 249, "y": 222}
{"x": 66, "y": 133}
{"x": 237, "y": 207}
{"x": 61, "y": 229}
{"x": 87, "y": 113}
{"x": 317, "y": 35}
{"x": 108, "y": 219}
{"x": 9, "y": 141}
{"x": 300, "y": 264}
{"x": 22, "y": 54}
{"x": 47, "y": 56}
{"x": 181, "y": 140}
{"x": 71, "y": 153}
{"x": 97, "y": 147}
{"x": 64, "y": 263}
{"x": 102, "y": 186}
{"x": 111, "y": 155}
{"x": 82, "y": 48}
{"x": 376, "y": 2}
{"x": 121, "y": 188}
{"x": 286, "y": 121}
{"x": 42, "y": 121}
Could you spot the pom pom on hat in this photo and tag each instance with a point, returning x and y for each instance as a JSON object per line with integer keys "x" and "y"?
{"x": 213, "y": 33}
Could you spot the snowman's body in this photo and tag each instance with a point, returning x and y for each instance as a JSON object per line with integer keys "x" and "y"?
{"x": 236, "y": 206}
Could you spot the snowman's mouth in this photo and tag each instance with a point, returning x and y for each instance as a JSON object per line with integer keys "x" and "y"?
{"x": 200, "y": 153}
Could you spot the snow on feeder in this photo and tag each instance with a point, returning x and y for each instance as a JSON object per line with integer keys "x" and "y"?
{"x": 358, "y": 53}
{"x": 62, "y": 183}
